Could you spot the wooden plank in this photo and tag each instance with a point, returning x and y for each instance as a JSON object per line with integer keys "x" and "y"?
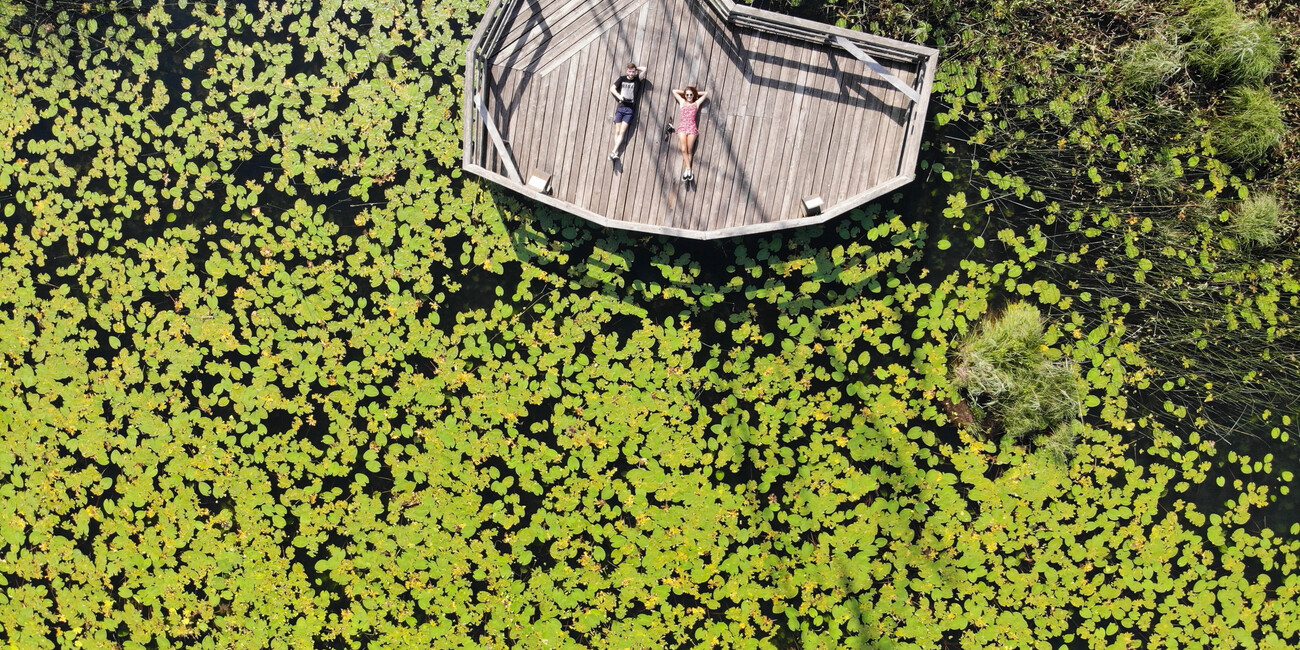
{"x": 581, "y": 158}
{"x": 561, "y": 117}
{"x": 556, "y": 116}
{"x": 804, "y": 123}
{"x": 532, "y": 89}
{"x": 540, "y": 97}
{"x": 896, "y": 123}
{"x": 484, "y": 27}
{"x": 857, "y": 200}
{"x": 597, "y": 177}
{"x": 606, "y": 181}
{"x": 859, "y": 126}
{"x": 496, "y": 138}
{"x": 738, "y": 137}
{"x": 889, "y": 141}
{"x": 739, "y": 141}
{"x": 680, "y": 232}
{"x": 530, "y": 16}
{"x": 491, "y": 94}
{"x": 865, "y": 150}
{"x": 548, "y": 138}
{"x": 488, "y": 156}
{"x": 542, "y": 87}
{"x": 832, "y": 147}
{"x": 809, "y": 160}
{"x": 792, "y": 59}
{"x": 721, "y": 145}
{"x": 579, "y": 35}
{"x": 794, "y": 125}
{"x": 593, "y": 135}
{"x": 726, "y": 172}
{"x": 661, "y": 163}
{"x": 635, "y": 177}
{"x": 728, "y": 101}
{"x": 817, "y": 157}
{"x": 534, "y": 22}
{"x": 590, "y": 154}
{"x": 695, "y": 207}
{"x": 754, "y": 158}
{"x": 529, "y": 49}
{"x": 468, "y": 123}
{"x": 667, "y": 201}
{"x": 743, "y": 196}
{"x": 779, "y": 136}
{"x": 841, "y": 133}
{"x": 643, "y": 53}
{"x": 723, "y": 33}
{"x": 628, "y": 50}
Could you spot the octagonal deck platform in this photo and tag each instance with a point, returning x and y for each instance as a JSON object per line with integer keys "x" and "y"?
{"x": 795, "y": 110}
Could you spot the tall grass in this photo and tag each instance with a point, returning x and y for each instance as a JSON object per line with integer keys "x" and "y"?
{"x": 1149, "y": 64}
{"x": 1250, "y": 124}
{"x": 1258, "y": 221}
{"x": 1009, "y": 377}
{"x": 1227, "y": 46}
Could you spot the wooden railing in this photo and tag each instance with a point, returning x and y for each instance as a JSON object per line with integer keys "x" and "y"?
{"x": 720, "y": 7}
{"x": 485, "y": 44}
{"x": 742, "y": 15}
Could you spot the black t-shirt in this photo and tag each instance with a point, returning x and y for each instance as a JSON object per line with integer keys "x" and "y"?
{"x": 630, "y": 89}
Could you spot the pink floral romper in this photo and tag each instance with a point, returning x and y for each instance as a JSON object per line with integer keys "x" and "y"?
{"x": 686, "y": 123}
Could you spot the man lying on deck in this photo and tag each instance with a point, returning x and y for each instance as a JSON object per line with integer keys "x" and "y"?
{"x": 627, "y": 90}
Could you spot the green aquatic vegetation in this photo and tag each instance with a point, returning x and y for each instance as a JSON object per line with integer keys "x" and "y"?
{"x": 276, "y": 373}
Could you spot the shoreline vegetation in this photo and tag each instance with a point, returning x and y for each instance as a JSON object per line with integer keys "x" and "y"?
{"x": 276, "y": 374}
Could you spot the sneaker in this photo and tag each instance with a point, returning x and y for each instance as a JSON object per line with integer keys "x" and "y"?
{"x": 688, "y": 176}
{"x": 613, "y": 155}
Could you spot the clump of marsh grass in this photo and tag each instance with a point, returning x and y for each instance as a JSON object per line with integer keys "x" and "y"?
{"x": 1226, "y": 46}
{"x": 1162, "y": 179}
{"x": 1149, "y": 64}
{"x": 1250, "y": 124}
{"x": 1059, "y": 445}
{"x": 1010, "y": 377}
{"x": 1258, "y": 221}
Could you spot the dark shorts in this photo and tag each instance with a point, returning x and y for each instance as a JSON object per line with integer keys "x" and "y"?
{"x": 623, "y": 114}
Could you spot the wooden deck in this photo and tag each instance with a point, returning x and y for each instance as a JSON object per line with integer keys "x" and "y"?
{"x": 787, "y": 117}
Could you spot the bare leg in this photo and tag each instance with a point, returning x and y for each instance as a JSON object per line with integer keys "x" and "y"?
{"x": 688, "y": 149}
{"x": 619, "y": 129}
{"x": 683, "y": 143}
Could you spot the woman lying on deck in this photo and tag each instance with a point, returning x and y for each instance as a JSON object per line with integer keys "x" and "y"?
{"x": 689, "y": 100}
